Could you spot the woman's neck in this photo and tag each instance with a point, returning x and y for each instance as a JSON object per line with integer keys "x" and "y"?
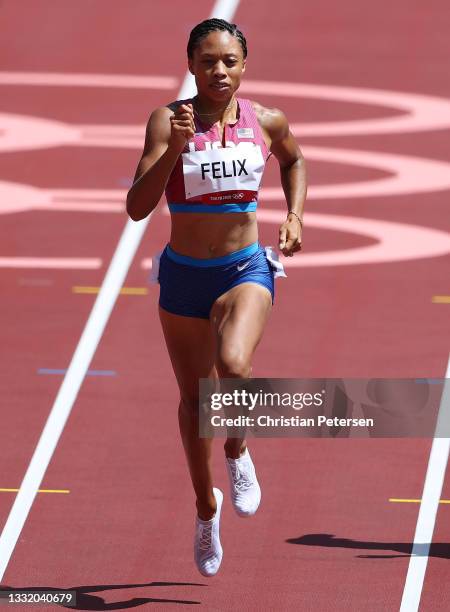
{"x": 210, "y": 111}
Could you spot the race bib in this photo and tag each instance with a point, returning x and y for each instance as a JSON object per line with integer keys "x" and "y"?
{"x": 218, "y": 170}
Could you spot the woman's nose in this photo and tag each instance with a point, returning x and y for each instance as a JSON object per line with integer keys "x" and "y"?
{"x": 219, "y": 69}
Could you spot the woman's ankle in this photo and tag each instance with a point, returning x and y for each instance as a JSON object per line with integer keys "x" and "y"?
{"x": 234, "y": 449}
{"x": 206, "y": 510}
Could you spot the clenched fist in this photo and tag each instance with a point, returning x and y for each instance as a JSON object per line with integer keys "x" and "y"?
{"x": 182, "y": 126}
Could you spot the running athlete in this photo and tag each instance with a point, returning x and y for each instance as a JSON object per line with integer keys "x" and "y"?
{"x": 216, "y": 281}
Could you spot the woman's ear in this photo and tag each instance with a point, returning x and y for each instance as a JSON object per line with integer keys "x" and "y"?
{"x": 244, "y": 63}
{"x": 191, "y": 70}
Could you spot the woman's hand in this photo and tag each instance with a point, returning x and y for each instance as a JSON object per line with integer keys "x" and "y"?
{"x": 182, "y": 126}
{"x": 290, "y": 236}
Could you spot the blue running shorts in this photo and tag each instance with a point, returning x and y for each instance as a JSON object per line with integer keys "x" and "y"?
{"x": 189, "y": 286}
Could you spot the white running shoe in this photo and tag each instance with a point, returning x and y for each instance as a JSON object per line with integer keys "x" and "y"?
{"x": 207, "y": 548}
{"x": 244, "y": 486}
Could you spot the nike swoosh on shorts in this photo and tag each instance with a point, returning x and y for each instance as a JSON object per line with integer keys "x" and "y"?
{"x": 242, "y": 266}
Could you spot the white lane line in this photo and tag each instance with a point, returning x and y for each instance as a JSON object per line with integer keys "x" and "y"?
{"x": 434, "y": 480}
{"x": 52, "y": 263}
{"x": 93, "y": 331}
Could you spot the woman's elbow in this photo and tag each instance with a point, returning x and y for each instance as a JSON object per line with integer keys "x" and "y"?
{"x": 132, "y": 210}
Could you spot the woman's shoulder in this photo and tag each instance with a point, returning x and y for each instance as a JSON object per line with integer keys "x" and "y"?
{"x": 169, "y": 108}
{"x": 267, "y": 115}
{"x": 159, "y": 116}
{"x": 272, "y": 120}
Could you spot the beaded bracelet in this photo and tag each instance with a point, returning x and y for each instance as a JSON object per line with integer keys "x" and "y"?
{"x": 291, "y": 212}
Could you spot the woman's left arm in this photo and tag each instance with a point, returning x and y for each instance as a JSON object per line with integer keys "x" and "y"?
{"x": 293, "y": 177}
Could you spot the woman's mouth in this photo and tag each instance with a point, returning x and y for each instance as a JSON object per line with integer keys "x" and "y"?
{"x": 220, "y": 86}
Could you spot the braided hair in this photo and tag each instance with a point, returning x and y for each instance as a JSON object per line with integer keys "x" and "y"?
{"x": 211, "y": 25}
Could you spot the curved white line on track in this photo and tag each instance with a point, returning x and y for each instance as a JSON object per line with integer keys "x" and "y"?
{"x": 396, "y": 241}
{"x": 410, "y": 175}
{"x": 422, "y": 113}
{"x": 90, "y": 338}
{"x": 18, "y": 197}
{"x": 88, "y": 79}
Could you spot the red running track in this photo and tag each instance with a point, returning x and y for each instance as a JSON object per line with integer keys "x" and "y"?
{"x": 326, "y": 537}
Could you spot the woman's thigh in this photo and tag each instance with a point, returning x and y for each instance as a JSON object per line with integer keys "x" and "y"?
{"x": 191, "y": 347}
{"x": 238, "y": 318}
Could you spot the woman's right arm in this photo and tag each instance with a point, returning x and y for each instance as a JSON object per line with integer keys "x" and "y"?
{"x": 165, "y": 138}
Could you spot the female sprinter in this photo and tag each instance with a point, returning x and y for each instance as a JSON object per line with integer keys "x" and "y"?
{"x": 216, "y": 281}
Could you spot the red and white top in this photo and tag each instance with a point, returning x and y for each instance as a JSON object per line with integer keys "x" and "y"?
{"x": 208, "y": 173}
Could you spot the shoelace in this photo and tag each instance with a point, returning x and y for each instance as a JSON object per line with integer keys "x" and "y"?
{"x": 241, "y": 478}
{"x": 205, "y": 537}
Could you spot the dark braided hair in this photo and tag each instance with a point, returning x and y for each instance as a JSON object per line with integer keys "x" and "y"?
{"x": 211, "y": 25}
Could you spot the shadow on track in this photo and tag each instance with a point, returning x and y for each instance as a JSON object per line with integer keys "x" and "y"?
{"x": 86, "y": 601}
{"x": 440, "y": 550}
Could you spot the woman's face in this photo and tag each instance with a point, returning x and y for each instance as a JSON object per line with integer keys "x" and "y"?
{"x": 218, "y": 64}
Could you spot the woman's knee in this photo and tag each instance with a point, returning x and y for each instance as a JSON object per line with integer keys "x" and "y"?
{"x": 232, "y": 362}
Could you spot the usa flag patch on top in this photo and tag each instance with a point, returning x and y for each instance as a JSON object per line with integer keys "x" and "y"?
{"x": 245, "y": 133}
